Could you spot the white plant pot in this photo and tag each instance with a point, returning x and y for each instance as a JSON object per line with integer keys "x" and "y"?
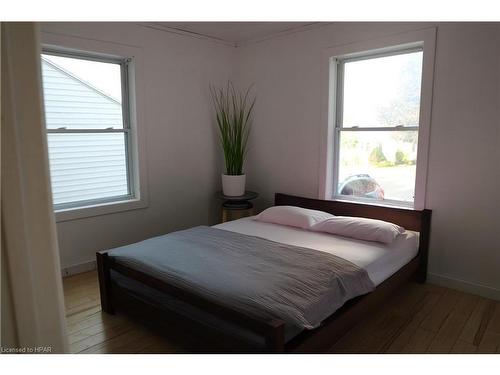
{"x": 233, "y": 186}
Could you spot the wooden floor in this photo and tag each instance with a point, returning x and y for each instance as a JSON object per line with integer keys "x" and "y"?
{"x": 417, "y": 319}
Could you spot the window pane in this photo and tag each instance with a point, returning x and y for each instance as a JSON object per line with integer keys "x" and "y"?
{"x": 81, "y": 94}
{"x": 378, "y": 164}
{"x": 382, "y": 91}
{"x": 87, "y": 166}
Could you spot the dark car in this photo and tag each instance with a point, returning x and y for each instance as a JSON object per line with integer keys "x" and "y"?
{"x": 361, "y": 185}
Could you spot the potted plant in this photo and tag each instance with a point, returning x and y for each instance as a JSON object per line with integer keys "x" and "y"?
{"x": 233, "y": 113}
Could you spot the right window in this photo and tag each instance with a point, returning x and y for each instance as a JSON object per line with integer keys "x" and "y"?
{"x": 377, "y": 125}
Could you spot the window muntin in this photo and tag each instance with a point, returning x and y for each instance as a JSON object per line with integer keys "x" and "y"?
{"x": 87, "y": 120}
{"x": 376, "y": 130}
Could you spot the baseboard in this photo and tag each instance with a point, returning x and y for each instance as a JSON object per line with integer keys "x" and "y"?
{"x": 79, "y": 268}
{"x": 464, "y": 286}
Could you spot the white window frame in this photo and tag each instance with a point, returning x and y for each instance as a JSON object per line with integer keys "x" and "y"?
{"x": 133, "y": 124}
{"x": 423, "y": 40}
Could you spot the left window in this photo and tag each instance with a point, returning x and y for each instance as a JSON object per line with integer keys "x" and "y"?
{"x": 87, "y": 117}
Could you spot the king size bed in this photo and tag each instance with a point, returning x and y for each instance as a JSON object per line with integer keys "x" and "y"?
{"x": 261, "y": 284}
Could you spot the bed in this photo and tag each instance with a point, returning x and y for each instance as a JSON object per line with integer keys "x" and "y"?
{"x": 228, "y": 309}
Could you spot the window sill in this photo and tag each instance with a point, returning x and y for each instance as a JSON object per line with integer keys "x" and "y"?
{"x": 99, "y": 209}
{"x": 380, "y": 203}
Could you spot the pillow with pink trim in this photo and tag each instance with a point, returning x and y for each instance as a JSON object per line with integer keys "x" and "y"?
{"x": 293, "y": 216}
{"x": 360, "y": 228}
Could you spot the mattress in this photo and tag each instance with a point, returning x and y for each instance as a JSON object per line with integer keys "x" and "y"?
{"x": 379, "y": 260}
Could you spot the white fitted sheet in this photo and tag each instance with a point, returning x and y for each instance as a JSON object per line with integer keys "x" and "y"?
{"x": 379, "y": 260}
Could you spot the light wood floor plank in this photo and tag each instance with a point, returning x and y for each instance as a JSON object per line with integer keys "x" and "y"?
{"x": 76, "y": 317}
{"x": 101, "y": 337}
{"x": 81, "y": 308}
{"x": 438, "y": 315}
{"x": 477, "y": 322}
{"x": 95, "y": 329}
{"x": 125, "y": 343}
{"x": 463, "y": 347}
{"x": 489, "y": 343}
{"x": 94, "y": 319}
{"x": 399, "y": 343}
{"x": 494, "y": 324}
{"x": 452, "y": 327}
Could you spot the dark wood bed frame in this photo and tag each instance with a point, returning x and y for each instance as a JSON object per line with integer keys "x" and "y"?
{"x": 114, "y": 297}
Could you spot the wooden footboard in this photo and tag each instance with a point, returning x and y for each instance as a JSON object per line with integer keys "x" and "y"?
{"x": 103, "y": 272}
{"x": 273, "y": 331}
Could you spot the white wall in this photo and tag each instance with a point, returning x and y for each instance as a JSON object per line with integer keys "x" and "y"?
{"x": 182, "y": 155}
{"x": 463, "y": 176}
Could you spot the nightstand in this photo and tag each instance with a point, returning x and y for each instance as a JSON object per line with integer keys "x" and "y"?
{"x": 237, "y": 207}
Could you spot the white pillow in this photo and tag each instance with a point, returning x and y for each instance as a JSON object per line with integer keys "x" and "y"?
{"x": 360, "y": 228}
{"x": 293, "y": 216}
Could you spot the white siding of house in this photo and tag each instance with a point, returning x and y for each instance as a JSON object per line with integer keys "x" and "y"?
{"x": 83, "y": 166}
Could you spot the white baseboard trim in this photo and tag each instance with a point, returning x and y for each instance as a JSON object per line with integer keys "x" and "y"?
{"x": 79, "y": 268}
{"x": 464, "y": 286}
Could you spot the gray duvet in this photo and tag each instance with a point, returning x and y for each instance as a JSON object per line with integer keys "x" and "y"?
{"x": 263, "y": 278}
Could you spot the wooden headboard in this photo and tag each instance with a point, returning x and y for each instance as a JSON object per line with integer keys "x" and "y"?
{"x": 416, "y": 220}
{"x": 410, "y": 219}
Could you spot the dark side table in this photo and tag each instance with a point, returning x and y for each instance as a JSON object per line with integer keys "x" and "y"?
{"x": 237, "y": 207}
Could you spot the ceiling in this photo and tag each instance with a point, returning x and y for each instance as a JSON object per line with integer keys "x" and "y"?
{"x": 235, "y": 33}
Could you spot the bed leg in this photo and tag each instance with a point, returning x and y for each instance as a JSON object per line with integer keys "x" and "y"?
{"x": 275, "y": 337}
{"x": 424, "y": 246}
{"x": 421, "y": 277}
{"x": 103, "y": 273}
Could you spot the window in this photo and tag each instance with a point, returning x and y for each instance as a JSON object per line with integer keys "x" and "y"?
{"x": 88, "y": 128}
{"x": 376, "y": 126}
